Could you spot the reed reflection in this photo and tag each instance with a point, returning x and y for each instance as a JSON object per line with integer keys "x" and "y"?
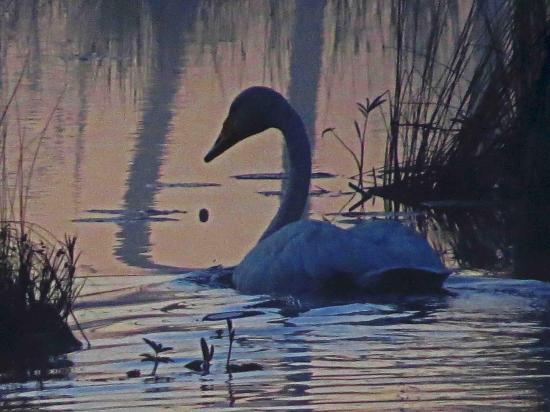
{"x": 171, "y": 21}
{"x": 305, "y": 73}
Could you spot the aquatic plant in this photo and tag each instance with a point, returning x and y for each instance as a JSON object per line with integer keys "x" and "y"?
{"x": 361, "y": 135}
{"x": 237, "y": 367}
{"x": 231, "y": 332}
{"x": 207, "y": 356}
{"x": 37, "y": 272}
{"x": 156, "y": 358}
{"x": 447, "y": 135}
{"x": 37, "y": 294}
{"x": 231, "y": 335}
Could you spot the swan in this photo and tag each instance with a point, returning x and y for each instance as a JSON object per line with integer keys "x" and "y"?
{"x": 300, "y": 256}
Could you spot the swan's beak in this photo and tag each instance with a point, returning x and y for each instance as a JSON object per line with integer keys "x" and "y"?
{"x": 222, "y": 143}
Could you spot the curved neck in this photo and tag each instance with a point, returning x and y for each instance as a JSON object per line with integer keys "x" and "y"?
{"x": 295, "y": 196}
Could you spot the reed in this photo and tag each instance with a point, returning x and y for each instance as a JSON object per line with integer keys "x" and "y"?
{"x": 473, "y": 126}
{"x": 37, "y": 272}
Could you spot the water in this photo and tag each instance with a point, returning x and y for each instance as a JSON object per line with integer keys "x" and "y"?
{"x": 484, "y": 348}
{"x": 145, "y": 87}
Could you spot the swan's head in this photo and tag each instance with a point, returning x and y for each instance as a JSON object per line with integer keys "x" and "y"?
{"x": 254, "y": 110}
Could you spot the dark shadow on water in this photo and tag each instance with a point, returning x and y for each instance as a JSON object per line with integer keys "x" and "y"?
{"x": 171, "y": 21}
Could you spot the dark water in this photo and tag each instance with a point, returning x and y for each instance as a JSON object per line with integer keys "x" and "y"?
{"x": 145, "y": 86}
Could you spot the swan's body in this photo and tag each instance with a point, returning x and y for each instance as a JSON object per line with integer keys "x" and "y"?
{"x": 305, "y": 256}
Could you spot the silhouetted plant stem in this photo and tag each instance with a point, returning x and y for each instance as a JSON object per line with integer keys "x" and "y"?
{"x": 231, "y": 336}
{"x": 158, "y": 348}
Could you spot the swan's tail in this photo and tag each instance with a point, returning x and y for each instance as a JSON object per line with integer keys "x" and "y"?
{"x": 404, "y": 280}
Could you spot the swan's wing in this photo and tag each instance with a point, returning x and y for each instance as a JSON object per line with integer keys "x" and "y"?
{"x": 295, "y": 259}
{"x": 404, "y": 261}
{"x": 307, "y": 255}
{"x": 389, "y": 244}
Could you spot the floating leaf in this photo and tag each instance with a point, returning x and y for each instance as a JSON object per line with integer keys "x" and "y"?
{"x": 195, "y": 365}
{"x": 232, "y": 315}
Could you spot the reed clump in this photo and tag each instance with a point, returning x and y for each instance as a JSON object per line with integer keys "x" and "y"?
{"x": 37, "y": 294}
{"x": 37, "y": 272}
{"x": 474, "y": 125}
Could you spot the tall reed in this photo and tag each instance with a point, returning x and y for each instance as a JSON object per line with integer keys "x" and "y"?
{"x": 471, "y": 126}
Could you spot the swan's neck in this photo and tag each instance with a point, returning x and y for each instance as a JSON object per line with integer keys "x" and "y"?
{"x": 295, "y": 196}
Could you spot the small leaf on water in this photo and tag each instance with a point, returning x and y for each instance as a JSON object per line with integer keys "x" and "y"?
{"x": 211, "y": 352}
{"x": 165, "y": 349}
{"x": 195, "y": 365}
{"x": 164, "y": 359}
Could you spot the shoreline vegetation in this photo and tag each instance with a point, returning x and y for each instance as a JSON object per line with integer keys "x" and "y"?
{"x": 456, "y": 125}
{"x": 37, "y": 272}
{"x": 457, "y": 128}
{"x": 471, "y": 126}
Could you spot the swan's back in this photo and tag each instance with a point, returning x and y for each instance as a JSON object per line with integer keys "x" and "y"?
{"x": 308, "y": 256}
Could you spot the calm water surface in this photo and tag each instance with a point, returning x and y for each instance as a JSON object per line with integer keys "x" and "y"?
{"x": 144, "y": 87}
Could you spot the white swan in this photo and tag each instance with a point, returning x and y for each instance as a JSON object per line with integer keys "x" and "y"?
{"x": 297, "y": 256}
